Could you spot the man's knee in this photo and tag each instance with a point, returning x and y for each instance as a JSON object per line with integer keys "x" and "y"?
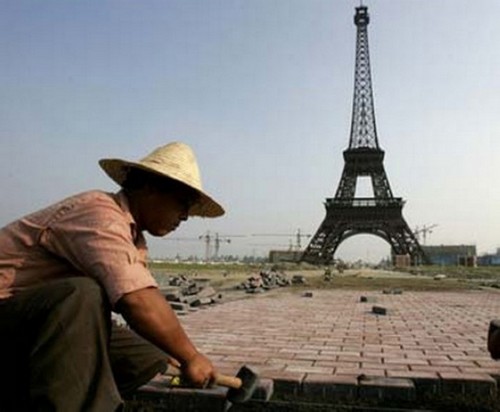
{"x": 78, "y": 295}
{"x": 85, "y": 288}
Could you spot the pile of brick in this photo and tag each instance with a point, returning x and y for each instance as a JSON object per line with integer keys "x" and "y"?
{"x": 187, "y": 295}
{"x": 267, "y": 280}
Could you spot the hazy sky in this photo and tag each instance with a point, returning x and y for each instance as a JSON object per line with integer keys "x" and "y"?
{"x": 262, "y": 90}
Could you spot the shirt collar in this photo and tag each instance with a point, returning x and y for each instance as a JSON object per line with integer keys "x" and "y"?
{"x": 122, "y": 201}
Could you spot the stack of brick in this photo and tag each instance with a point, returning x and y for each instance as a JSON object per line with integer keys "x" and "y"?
{"x": 187, "y": 295}
{"x": 265, "y": 280}
{"x": 299, "y": 280}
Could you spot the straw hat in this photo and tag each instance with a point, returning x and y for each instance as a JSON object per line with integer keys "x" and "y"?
{"x": 176, "y": 161}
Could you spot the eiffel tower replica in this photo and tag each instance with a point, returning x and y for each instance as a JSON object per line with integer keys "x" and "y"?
{"x": 347, "y": 215}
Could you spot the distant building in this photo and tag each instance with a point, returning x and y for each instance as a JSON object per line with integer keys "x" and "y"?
{"x": 277, "y": 256}
{"x": 489, "y": 259}
{"x": 452, "y": 255}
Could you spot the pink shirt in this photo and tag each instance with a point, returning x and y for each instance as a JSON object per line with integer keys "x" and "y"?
{"x": 90, "y": 234}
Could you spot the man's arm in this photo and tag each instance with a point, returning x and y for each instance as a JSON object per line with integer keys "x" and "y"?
{"x": 149, "y": 314}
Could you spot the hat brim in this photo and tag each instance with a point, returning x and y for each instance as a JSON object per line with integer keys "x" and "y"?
{"x": 117, "y": 170}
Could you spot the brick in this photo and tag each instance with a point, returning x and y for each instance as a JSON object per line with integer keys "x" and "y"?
{"x": 369, "y": 350}
{"x": 247, "y": 358}
{"x": 329, "y": 387}
{"x": 372, "y": 372}
{"x": 461, "y": 363}
{"x": 416, "y": 354}
{"x": 481, "y": 385}
{"x": 406, "y": 361}
{"x": 309, "y": 369}
{"x": 493, "y": 372}
{"x": 180, "y": 307}
{"x": 326, "y": 363}
{"x": 387, "y": 389}
{"x": 351, "y": 371}
{"x": 298, "y": 351}
{"x": 348, "y": 358}
{"x": 439, "y": 369}
{"x": 395, "y": 366}
{"x": 291, "y": 362}
{"x": 156, "y": 393}
{"x": 412, "y": 374}
{"x": 488, "y": 363}
{"x": 285, "y": 383}
{"x": 264, "y": 390}
{"x": 369, "y": 299}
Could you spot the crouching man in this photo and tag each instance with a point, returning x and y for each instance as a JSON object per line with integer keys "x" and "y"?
{"x": 63, "y": 270}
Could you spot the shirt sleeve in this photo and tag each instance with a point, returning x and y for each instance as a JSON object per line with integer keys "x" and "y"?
{"x": 97, "y": 240}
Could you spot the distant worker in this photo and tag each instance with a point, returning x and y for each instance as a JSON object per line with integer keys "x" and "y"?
{"x": 327, "y": 276}
{"x": 63, "y": 270}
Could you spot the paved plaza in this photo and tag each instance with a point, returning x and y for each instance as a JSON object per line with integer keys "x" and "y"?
{"x": 331, "y": 346}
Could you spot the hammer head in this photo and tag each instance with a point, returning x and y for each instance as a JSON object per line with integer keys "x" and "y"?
{"x": 249, "y": 381}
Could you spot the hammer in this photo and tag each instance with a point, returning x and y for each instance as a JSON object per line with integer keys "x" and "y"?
{"x": 241, "y": 387}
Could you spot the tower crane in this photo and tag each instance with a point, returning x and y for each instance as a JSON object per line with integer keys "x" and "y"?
{"x": 216, "y": 240}
{"x": 207, "y": 238}
{"x": 424, "y": 231}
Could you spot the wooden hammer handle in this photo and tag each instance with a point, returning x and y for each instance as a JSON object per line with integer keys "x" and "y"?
{"x": 221, "y": 380}
{"x": 228, "y": 381}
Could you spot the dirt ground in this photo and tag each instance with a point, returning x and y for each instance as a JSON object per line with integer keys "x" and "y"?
{"x": 227, "y": 278}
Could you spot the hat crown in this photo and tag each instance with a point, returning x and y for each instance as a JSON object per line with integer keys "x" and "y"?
{"x": 177, "y": 161}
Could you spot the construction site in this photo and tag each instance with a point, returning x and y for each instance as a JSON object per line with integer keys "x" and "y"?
{"x": 326, "y": 335}
{"x": 291, "y": 316}
{"x": 336, "y": 340}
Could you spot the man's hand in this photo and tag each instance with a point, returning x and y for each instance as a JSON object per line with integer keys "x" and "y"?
{"x": 199, "y": 370}
{"x": 150, "y": 315}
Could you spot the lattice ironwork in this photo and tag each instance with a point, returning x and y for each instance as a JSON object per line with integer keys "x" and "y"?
{"x": 363, "y": 127}
{"x": 347, "y": 215}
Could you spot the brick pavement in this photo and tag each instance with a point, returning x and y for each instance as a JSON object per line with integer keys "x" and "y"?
{"x": 331, "y": 346}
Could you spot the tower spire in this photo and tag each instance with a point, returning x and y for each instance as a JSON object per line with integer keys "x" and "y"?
{"x": 363, "y": 127}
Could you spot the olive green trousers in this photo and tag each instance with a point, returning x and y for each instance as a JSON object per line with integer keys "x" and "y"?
{"x": 59, "y": 351}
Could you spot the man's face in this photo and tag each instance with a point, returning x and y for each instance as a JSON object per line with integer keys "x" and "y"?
{"x": 162, "y": 212}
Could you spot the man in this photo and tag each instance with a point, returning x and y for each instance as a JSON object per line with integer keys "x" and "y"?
{"x": 64, "y": 268}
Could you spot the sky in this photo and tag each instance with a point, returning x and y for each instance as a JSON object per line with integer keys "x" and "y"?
{"x": 262, "y": 91}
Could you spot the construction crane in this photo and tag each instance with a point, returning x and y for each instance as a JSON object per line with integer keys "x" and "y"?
{"x": 424, "y": 231}
{"x": 216, "y": 240}
{"x": 298, "y": 237}
{"x": 207, "y": 238}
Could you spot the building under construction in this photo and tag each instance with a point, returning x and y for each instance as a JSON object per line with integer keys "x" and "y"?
{"x": 451, "y": 255}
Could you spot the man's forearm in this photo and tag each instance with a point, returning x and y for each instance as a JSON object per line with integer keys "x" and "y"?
{"x": 150, "y": 315}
